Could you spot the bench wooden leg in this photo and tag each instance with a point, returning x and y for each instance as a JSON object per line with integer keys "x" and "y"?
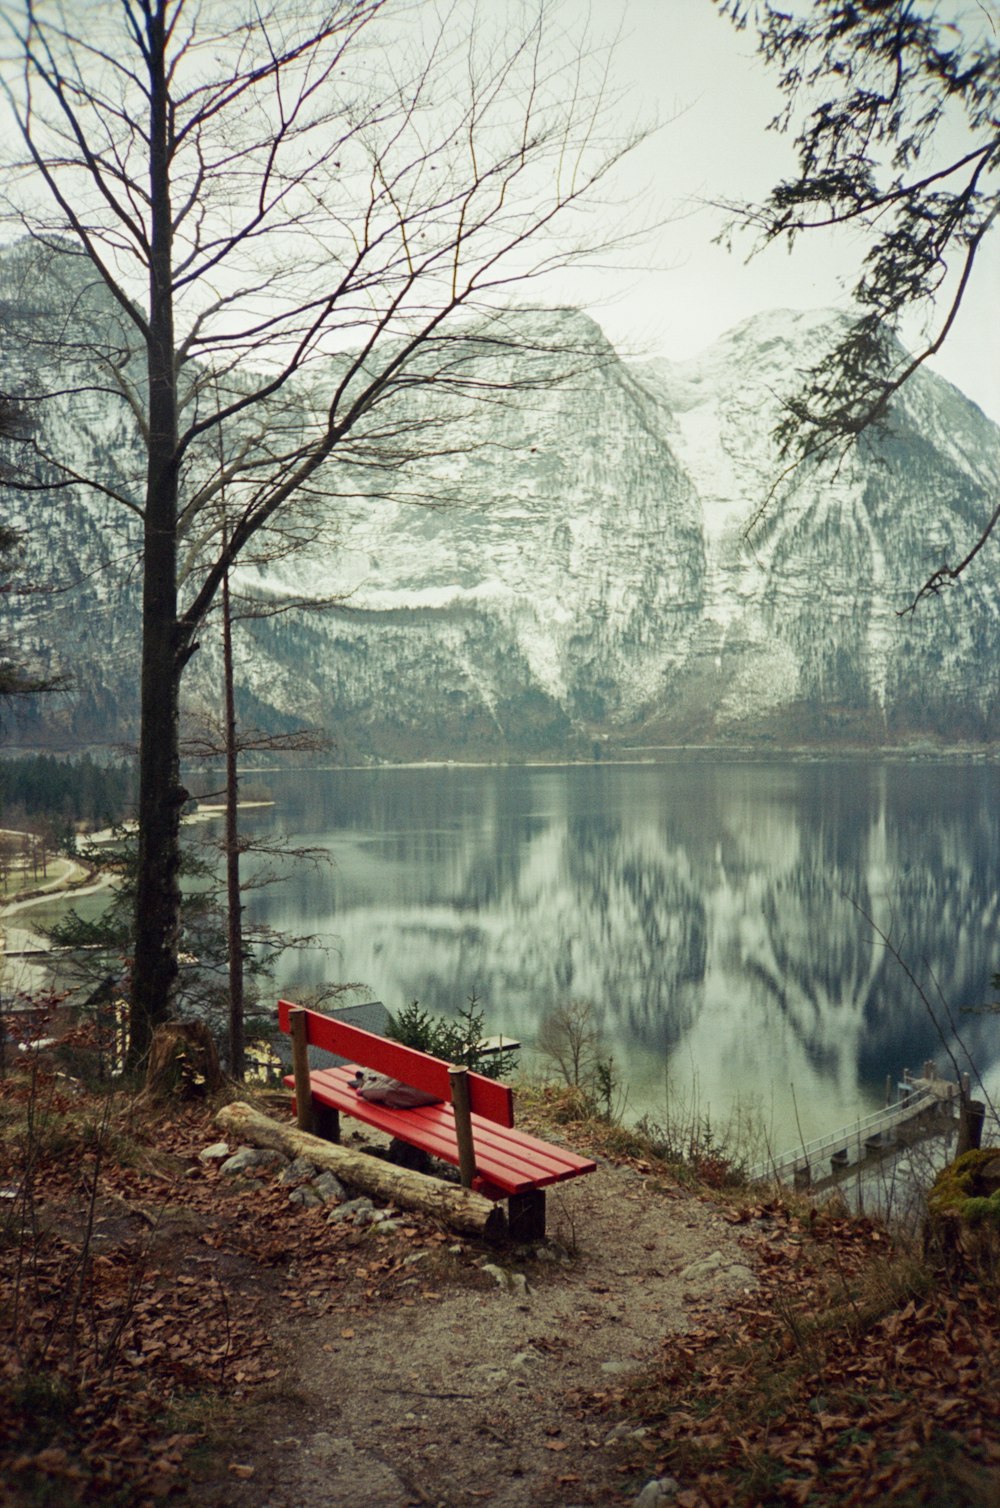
{"x": 326, "y": 1121}
{"x": 526, "y": 1216}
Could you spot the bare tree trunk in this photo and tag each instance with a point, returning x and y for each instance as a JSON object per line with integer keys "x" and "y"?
{"x": 217, "y": 157}
{"x": 183, "y": 1064}
{"x": 161, "y": 797}
{"x": 234, "y": 905}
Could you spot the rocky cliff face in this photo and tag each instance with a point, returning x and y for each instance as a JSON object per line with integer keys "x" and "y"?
{"x": 591, "y": 586}
{"x": 802, "y": 624}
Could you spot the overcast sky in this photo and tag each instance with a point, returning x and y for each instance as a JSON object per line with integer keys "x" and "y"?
{"x": 680, "y": 60}
{"x": 682, "y": 63}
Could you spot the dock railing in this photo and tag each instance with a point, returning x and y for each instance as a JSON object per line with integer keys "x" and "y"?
{"x": 920, "y": 1096}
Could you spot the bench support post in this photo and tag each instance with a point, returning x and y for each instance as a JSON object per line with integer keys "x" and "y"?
{"x": 526, "y": 1216}
{"x": 297, "y": 1023}
{"x": 326, "y": 1121}
{"x": 459, "y": 1080}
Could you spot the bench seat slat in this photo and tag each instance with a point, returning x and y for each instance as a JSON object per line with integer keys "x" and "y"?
{"x": 428, "y": 1127}
{"x": 538, "y": 1158}
{"x": 508, "y": 1160}
{"x": 511, "y": 1159}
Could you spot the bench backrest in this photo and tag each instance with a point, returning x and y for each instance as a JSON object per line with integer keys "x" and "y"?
{"x": 487, "y": 1097}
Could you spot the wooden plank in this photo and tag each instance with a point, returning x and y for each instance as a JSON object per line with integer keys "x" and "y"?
{"x": 487, "y": 1097}
{"x": 300, "y": 1071}
{"x": 429, "y": 1127}
{"x": 538, "y": 1159}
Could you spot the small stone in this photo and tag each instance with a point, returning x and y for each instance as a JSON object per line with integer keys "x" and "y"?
{"x": 624, "y": 1431}
{"x": 247, "y": 1158}
{"x": 358, "y": 1210}
{"x": 299, "y": 1167}
{"x": 657, "y": 1493}
{"x": 329, "y": 1188}
{"x": 385, "y": 1227}
{"x": 414, "y": 1258}
{"x": 305, "y": 1197}
{"x": 707, "y": 1267}
{"x": 514, "y": 1283}
{"x": 215, "y": 1153}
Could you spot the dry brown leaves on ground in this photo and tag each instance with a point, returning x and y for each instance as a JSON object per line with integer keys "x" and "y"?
{"x": 139, "y": 1286}
{"x": 852, "y": 1375}
{"x": 134, "y": 1278}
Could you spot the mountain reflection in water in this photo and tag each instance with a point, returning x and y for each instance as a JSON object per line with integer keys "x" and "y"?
{"x": 715, "y": 915}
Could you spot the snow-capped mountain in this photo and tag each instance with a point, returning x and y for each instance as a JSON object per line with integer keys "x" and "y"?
{"x": 805, "y": 616}
{"x": 590, "y": 584}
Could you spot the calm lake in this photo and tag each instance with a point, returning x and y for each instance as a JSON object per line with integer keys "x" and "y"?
{"x": 720, "y": 918}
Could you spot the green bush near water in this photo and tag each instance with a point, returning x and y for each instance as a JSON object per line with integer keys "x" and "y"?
{"x": 458, "y": 1040}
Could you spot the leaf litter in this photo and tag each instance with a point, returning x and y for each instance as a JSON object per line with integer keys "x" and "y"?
{"x": 151, "y": 1303}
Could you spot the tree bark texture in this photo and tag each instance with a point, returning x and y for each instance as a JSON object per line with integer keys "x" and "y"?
{"x": 206, "y": 151}
{"x": 234, "y": 903}
{"x": 454, "y": 1206}
{"x": 183, "y": 1063}
{"x": 158, "y": 895}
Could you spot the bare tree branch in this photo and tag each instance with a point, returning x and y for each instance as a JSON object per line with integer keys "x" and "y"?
{"x": 304, "y": 215}
{"x": 874, "y": 92}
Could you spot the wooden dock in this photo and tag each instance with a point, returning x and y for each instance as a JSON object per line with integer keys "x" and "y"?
{"x": 918, "y": 1098}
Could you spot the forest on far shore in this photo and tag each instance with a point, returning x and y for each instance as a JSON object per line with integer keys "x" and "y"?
{"x": 65, "y": 792}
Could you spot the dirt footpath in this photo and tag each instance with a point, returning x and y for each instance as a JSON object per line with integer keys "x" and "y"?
{"x": 486, "y": 1379}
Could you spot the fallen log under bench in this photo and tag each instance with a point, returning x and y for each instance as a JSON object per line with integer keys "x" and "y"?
{"x": 459, "y": 1208}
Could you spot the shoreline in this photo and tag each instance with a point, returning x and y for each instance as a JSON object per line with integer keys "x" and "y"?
{"x": 652, "y": 755}
{"x": 77, "y": 879}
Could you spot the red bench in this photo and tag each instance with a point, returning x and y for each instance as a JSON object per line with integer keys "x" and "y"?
{"x": 472, "y": 1128}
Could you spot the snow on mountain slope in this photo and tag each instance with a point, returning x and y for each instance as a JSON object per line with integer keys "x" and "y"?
{"x": 808, "y": 598}
{"x": 589, "y": 578}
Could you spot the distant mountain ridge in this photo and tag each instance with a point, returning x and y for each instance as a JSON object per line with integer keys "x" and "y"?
{"x": 593, "y": 589}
